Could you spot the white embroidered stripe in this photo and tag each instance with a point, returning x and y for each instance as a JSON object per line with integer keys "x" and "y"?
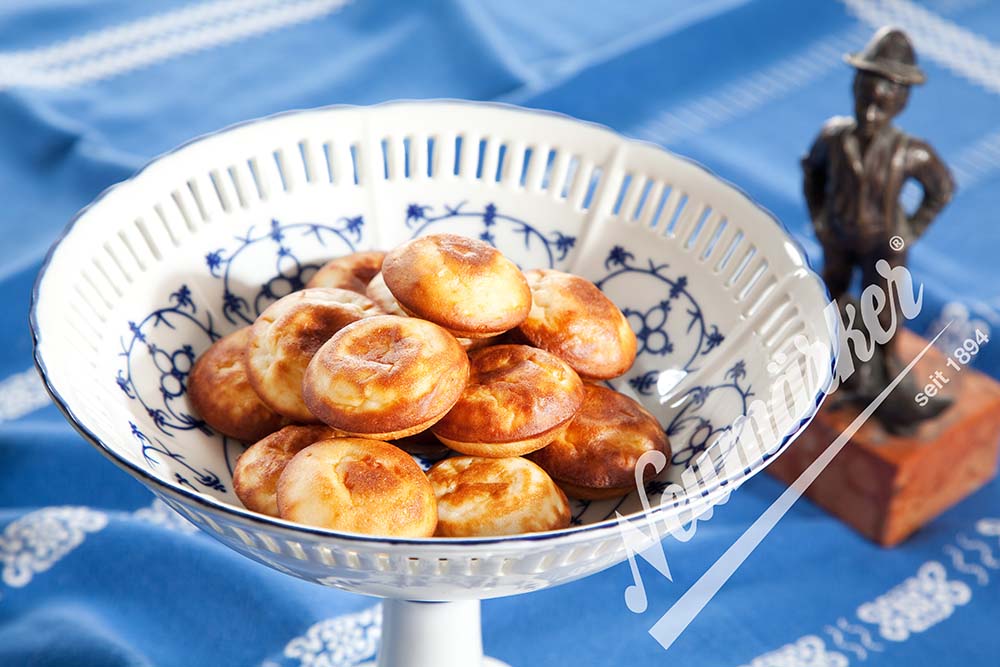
{"x": 737, "y": 99}
{"x": 103, "y": 64}
{"x": 21, "y": 394}
{"x": 951, "y": 6}
{"x": 977, "y": 161}
{"x": 794, "y": 72}
{"x": 133, "y": 32}
{"x": 962, "y": 51}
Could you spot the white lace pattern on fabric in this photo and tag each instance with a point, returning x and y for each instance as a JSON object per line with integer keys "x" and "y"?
{"x": 123, "y": 48}
{"x": 916, "y": 604}
{"x": 808, "y": 651}
{"x": 38, "y": 540}
{"x": 342, "y": 641}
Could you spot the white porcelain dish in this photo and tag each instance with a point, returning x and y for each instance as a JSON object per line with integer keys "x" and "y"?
{"x": 205, "y": 237}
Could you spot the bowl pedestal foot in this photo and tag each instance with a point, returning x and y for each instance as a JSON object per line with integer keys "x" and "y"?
{"x": 431, "y": 634}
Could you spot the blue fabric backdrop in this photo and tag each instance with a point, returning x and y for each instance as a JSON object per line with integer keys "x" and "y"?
{"x": 96, "y": 573}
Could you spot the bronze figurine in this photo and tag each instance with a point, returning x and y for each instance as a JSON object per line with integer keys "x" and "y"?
{"x": 852, "y": 180}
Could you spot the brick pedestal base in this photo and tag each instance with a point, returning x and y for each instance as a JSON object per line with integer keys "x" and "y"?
{"x": 887, "y": 486}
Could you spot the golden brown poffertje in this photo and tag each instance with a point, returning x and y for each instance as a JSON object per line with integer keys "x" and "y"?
{"x": 255, "y": 478}
{"x": 351, "y": 272}
{"x": 386, "y": 377}
{"x": 518, "y": 399}
{"x": 571, "y": 318}
{"x": 508, "y": 496}
{"x": 221, "y": 394}
{"x": 466, "y": 286}
{"x": 288, "y": 333}
{"x": 358, "y": 486}
{"x": 595, "y": 457}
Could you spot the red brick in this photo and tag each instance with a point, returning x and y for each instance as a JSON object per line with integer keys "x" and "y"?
{"x": 887, "y": 486}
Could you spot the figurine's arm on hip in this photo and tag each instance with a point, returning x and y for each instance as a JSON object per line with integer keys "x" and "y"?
{"x": 923, "y": 164}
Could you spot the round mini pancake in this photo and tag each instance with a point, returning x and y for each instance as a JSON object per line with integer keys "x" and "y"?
{"x": 358, "y": 486}
{"x": 255, "y": 478}
{"x": 595, "y": 457}
{"x": 352, "y": 272}
{"x": 383, "y": 298}
{"x": 287, "y": 335}
{"x": 517, "y": 400}
{"x": 220, "y": 391}
{"x": 386, "y": 377}
{"x": 571, "y": 318}
{"x": 484, "y": 497}
{"x": 465, "y": 285}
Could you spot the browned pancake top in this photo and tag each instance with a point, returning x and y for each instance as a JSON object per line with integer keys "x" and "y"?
{"x": 358, "y": 486}
{"x": 571, "y": 318}
{"x": 463, "y": 284}
{"x": 514, "y": 392}
{"x": 385, "y": 374}
{"x": 503, "y": 496}
{"x": 603, "y": 442}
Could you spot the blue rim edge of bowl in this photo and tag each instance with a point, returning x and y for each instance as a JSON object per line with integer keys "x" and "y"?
{"x": 210, "y": 504}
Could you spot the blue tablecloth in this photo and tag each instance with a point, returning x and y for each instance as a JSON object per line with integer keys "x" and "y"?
{"x": 96, "y": 573}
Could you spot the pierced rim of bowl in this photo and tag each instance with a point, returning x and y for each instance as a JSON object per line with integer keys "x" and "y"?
{"x": 705, "y": 499}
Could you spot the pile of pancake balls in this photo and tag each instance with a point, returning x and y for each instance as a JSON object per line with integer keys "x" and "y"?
{"x": 441, "y": 346}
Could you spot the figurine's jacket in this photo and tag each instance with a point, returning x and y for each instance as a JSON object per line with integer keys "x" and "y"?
{"x": 855, "y": 199}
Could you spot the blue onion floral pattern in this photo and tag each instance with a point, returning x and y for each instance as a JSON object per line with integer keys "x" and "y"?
{"x": 171, "y": 364}
{"x": 167, "y": 367}
{"x": 655, "y": 321}
{"x": 499, "y": 230}
{"x": 282, "y": 244}
{"x": 152, "y": 446}
{"x": 691, "y": 431}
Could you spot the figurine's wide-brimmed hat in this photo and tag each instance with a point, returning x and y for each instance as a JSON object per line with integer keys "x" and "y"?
{"x": 889, "y": 54}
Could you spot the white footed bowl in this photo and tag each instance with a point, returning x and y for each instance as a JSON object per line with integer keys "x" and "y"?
{"x": 204, "y": 238}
